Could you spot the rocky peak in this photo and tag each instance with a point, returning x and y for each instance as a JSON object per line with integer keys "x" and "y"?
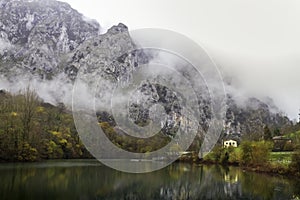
{"x": 38, "y": 33}
{"x": 117, "y": 29}
{"x": 250, "y": 118}
{"x": 112, "y": 54}
{"x": 44, "y": 39}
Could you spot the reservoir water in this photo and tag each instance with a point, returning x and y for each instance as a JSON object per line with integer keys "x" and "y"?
{"x": 89, "y": 179}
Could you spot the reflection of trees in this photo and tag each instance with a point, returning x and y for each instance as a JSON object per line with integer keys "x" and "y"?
{"x": 214, "y": 185}
{"x": 88, "y": 180}
{"x": 263, "y": 186}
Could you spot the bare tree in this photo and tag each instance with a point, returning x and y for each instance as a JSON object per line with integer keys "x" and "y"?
{"x": 28, "y": 102}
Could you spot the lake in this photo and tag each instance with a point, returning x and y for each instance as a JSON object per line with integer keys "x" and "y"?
{"x": 89, "y": 179}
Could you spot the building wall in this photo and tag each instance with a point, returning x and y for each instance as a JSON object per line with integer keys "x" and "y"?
{"x": 228, "y": 143}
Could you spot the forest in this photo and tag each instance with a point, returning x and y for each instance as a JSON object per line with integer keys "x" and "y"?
{"x": 32, "y": 130}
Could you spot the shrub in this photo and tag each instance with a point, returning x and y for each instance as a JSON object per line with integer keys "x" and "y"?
{"x": 234, "y": 156}
{"x": 295, "y": 164}
{"x": 246, "y": 155}
{"x": 255, "y": 153}
{"x": 27, "y": 153}
{"x": 261, "y": 152}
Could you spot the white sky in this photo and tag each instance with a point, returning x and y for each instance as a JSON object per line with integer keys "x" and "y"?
{"x": 256, "y": 40}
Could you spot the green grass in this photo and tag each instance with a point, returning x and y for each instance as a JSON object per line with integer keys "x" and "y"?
{"x": 294, "y": 136}
{"x": 282, "y": 157}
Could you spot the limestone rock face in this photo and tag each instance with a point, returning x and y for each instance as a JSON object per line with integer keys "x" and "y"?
{"x": 35, "y": 35}
{"x": 44, "y": 40}
{"x": 250, "y": 119}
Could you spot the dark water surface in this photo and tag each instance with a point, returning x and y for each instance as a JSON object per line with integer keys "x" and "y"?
{"x": 89, "y": 179}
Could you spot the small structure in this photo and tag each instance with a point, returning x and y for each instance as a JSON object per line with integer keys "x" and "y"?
{"x": 281, "y": 142}
{"x": 230, "y": 143}
{"x": 282, "y": 138}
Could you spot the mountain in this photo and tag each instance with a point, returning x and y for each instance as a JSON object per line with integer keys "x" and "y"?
{"x": 35, "y": 36}
{"x": 49, "y": 43}
{"x": 251, "y": 118}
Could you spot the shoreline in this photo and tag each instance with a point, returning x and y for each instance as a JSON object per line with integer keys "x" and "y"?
{"x": 277, "y": 170}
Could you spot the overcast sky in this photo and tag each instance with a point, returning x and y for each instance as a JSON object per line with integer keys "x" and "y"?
{"x": 255, "y": 40}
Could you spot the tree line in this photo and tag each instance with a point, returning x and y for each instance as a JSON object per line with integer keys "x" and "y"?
{"x": 257, "y": 155}
{"x": 31, "y": 129}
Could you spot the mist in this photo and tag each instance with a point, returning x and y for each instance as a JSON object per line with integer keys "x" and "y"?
{"x": 254, "y": 42}
{"x": 54, "y": 91}
{"x": 262, "y": 77}
{"x": 256, "y": 47}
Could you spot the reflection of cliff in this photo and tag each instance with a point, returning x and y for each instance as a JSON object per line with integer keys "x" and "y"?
{"x": 91, "y": 180}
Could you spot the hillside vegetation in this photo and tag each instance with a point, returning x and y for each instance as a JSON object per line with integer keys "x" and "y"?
{"x": 31, "y": 130}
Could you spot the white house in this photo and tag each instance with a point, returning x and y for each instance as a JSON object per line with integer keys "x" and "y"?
{"x": 228, "y": 143}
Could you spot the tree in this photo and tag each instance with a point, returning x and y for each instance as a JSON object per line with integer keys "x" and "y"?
{"x": 255, "y": 153}
{"x": 295, "y": 164}
{"x": 276, "y": 132}
{"x": 32, "y": 130}
{"x": 27, "y": 103}
{"x": 267, "y": 133}
{"x": 299, "y": 117}
{"x": 261, "y": 152}
{"x": 9, "y": 127}
{"x": 246, "y": 155}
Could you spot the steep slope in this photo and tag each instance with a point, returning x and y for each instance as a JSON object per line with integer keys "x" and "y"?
{"x": 46, "y": 40}
{"x": 35, "y": 35}
{"x": 250, "y": 119}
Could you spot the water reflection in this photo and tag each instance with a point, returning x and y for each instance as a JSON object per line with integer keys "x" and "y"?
{"x": 79, "y": 179}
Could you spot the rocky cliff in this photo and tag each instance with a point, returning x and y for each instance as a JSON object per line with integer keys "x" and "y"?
{"x": 43, "y": 40}
{"x": 36, "y": 35}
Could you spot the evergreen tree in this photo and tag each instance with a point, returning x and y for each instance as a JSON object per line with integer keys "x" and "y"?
{"x": 267, "y": 133}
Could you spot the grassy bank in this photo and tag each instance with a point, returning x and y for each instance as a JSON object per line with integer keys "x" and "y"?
{"x": 258, "y": 157}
